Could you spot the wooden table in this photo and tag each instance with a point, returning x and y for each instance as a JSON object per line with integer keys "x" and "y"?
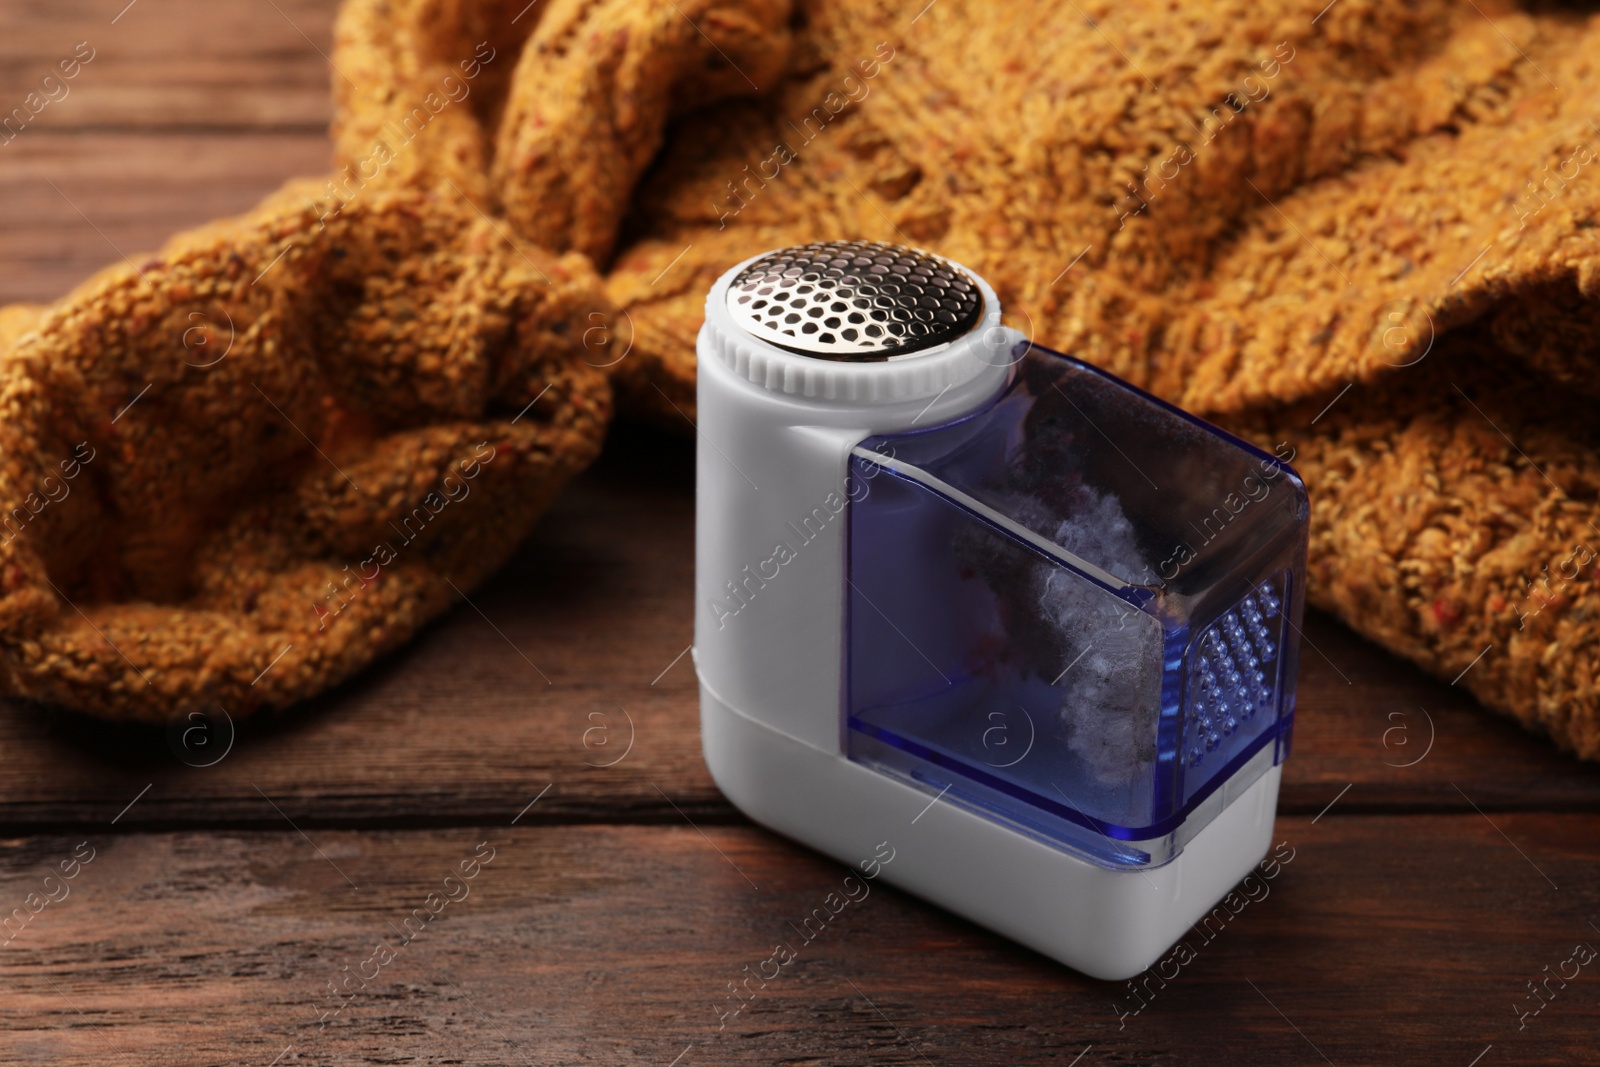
{"x": 1442, "y": 860}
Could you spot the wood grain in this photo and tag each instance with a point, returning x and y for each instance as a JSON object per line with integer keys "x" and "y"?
{"x": 1384, "y": 940}
{"x": 169, "y": 64}
{"x": 187, "y": 111}
{"x": 76, "y": 203}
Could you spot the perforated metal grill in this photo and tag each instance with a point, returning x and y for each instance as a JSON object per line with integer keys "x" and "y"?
{"x": 855, "y": 301}
{"x": 1233, "y": 676}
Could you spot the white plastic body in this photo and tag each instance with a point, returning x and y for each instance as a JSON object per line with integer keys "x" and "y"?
{"x": 775, "y": 432}
{"x": 1106, "y": 923}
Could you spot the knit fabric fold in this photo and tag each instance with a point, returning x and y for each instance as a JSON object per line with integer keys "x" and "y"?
{"x": 239, "y": 471}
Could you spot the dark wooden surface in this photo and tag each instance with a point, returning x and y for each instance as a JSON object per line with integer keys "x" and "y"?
{"x": 1457, "y": 860}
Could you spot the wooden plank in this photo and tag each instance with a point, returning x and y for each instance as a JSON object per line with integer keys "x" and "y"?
{"x": 80, "y": 191}
{"x": 74, "y": 203}
{"x": 458, "y": 727}
{"x": 1383, "y": 940}
{"x": 1401, "y": 739}
{"x": 165, "y": 64}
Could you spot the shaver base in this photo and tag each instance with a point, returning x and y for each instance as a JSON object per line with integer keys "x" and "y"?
{"x": 1109, "y": 924}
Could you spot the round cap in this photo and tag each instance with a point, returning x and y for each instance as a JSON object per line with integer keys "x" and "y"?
{"x": 856, "y": 323}
{"x": 854, "y": 301}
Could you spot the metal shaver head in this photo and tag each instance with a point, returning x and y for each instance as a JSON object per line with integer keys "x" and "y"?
{"x": 855, "y": 301}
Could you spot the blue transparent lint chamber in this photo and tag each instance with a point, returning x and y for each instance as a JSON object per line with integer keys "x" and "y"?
{"x": 1076, "y": 612}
